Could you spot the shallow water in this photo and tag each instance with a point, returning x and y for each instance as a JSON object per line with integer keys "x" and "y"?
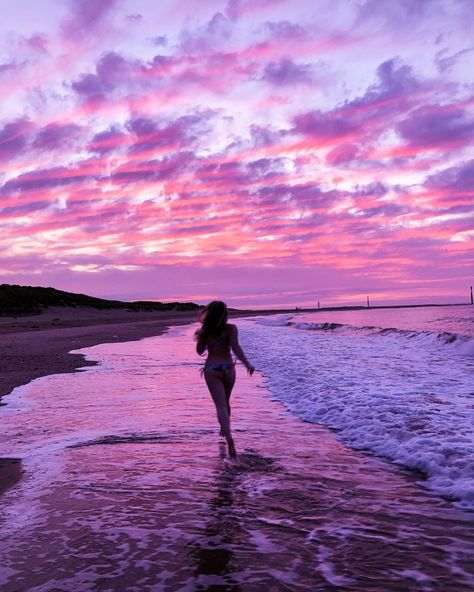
{"x": 399, "y": 383}
{"x": 127, "y": 487}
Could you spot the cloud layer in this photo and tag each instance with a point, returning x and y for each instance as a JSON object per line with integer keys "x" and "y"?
{"x": 265, "y": 152}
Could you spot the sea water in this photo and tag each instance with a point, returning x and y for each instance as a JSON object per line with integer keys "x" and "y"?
{"x": 394, "y": 382}
{"x": 127, "y": 485}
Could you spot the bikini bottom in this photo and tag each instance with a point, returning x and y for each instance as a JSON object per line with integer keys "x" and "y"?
{"x": 222, "y": 369}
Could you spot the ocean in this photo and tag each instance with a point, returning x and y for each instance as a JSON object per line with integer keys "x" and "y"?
{"x": 356, "y": 448}
{"x": 395, "y": 382}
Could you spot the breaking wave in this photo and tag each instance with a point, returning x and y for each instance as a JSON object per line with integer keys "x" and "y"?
{"x": 464, "y": 343}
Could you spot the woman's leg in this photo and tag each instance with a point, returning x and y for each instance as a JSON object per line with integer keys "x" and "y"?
{"x": 215, "y": 384}
{"x": 229, "y": 381}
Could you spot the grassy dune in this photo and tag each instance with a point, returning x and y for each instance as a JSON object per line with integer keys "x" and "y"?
{"x": 19, "y": 300}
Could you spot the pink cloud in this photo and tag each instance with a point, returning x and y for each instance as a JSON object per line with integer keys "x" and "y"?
{"x": 37, "y": 42}
{"x": 342, "y": 153}
{"x": 56, "y": 135}
{"x": 238, "y": 8}
{"x": 44, "y": 179}
{"x": 108, "y": 141}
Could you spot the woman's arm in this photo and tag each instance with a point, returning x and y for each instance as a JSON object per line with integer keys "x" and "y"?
{"x": 200, "y": 347}
{"x": 234, "y": 344}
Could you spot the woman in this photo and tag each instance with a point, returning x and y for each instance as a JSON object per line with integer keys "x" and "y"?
{"x": 220, "y": 338}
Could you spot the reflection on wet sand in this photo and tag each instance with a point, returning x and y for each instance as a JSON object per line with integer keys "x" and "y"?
{"x": 214, "y": 552}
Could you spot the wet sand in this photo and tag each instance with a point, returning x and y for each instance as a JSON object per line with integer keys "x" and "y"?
{"x": 144, "y": 499}
{"x": 39, "y": 345}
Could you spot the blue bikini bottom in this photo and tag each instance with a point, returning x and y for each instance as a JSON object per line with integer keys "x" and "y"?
{"x": 223, "y": 369}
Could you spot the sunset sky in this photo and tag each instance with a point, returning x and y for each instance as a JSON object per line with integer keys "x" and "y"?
{"x": 265, "y": 152}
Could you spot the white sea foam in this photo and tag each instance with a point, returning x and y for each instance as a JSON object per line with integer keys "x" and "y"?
{"x": 400, "y": 393}
{"x": 275, "y": 321}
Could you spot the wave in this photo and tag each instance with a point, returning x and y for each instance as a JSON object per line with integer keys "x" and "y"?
{"x": 464, "y": 343}
{"x": 274, "y": 321}
{"x": 393, "y": 393}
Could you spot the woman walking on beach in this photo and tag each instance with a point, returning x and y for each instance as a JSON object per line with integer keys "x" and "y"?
{"x": 220, "y": 338}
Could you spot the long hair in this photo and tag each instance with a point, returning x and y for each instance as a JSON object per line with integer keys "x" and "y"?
{"x": 213, "y": 321}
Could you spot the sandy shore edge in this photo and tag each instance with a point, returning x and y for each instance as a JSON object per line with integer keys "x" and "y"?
{"x": 31, "y": 347}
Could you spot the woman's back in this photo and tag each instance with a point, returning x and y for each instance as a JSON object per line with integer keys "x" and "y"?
{"x": 218, "y": 346}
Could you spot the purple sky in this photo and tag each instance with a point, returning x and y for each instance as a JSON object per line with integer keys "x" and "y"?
{"x": 266, "y": 152}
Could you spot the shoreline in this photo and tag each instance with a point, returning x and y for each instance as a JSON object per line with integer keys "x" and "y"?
{"x": 39, "y": 346}
{"x": 33, "y": 346}
{"x": 302, "y": 511}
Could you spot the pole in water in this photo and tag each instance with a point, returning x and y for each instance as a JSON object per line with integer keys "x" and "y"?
{"x": 368, "y": 305}
{"x": 472, "y": 300}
